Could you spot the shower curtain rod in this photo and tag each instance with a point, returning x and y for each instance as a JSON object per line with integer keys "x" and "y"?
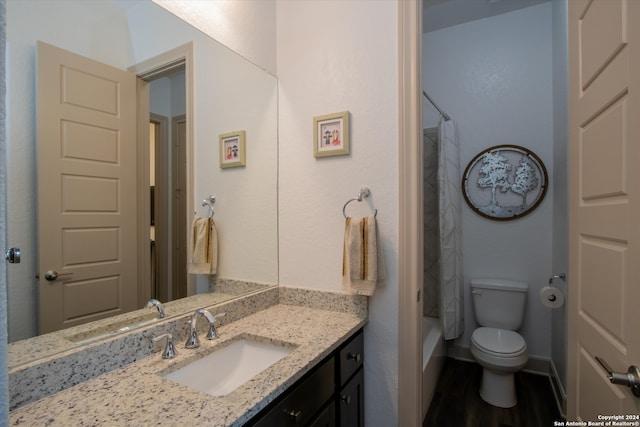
{"x": 442, "y": 113}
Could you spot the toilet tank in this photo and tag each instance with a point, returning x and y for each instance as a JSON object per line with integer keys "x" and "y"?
{"x": 499, "y": 303}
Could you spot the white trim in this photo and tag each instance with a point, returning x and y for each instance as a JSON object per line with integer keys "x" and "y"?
{"x": 410, "y": 248}
{"x": 143, "y": 180}
{"x": 558, "y": 389}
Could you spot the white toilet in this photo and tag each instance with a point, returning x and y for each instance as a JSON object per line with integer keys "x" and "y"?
{"x": 499, "y": 309}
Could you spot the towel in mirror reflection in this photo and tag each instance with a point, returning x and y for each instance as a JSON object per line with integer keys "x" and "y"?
{"x": 204, "y": 255}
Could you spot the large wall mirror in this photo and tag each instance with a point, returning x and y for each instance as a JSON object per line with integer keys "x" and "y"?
{"x": 225, "y": 93}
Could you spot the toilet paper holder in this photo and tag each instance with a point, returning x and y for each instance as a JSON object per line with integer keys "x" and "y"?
{"x": 562, "y": 276}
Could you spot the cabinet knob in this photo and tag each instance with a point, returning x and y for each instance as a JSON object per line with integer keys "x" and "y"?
{"x": 293, "y": 414}
{"x": 357, "y": 357}
{"x": 346, "y": 398}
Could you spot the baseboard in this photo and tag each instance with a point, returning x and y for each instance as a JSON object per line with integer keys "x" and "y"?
{"x": 558, "y": 390}
{"x": 459, "y": 352}
{"x": 535, "y": 365}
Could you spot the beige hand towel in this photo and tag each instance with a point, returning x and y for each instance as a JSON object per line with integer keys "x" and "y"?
{"x": 362, "y": 263}
{"x": 204, "y": 255}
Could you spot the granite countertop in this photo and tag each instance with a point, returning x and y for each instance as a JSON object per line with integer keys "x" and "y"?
{"x": 137, "y": 395}
{"x": 32, "y": 349}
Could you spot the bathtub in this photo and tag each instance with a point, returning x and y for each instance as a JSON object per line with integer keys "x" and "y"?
{"x": 434, "y": 354}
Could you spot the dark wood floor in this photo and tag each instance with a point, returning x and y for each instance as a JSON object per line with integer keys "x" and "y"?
{"x": 457, "y": 402}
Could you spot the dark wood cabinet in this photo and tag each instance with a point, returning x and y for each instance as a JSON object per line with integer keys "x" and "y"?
{"x": 350, "y": 392}
{"x": 351, "y": 400}
{"x": 331, "y": 394}
{"x": 327, "y": 417}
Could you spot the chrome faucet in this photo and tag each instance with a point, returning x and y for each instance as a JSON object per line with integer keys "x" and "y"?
{"x": 192, "y": 338}
{"x": 169, "y": 351}
{"x": 157, "y": 304}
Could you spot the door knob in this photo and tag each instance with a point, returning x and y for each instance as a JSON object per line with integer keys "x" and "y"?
{"x": 52, "y": 275}
{"x": 13, "y": 255}
{"x": 630, "y": 379}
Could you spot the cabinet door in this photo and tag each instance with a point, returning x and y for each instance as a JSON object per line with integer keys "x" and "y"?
{"x": 351, "y": 401}
{"x": 327, "y": 418}
{"x": 299, "y": 406}
{"x": 351, "y": 357}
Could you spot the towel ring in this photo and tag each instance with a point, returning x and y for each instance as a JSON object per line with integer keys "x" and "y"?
{"x": 362, "y": 194}
{"x": 209, "y": 201}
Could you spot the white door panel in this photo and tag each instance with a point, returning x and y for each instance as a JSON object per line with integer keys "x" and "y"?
{"x": 604, "y": 200}
{"x": 86, "y": 189}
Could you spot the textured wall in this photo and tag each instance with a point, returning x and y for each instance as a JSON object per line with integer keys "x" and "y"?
{"x": 493, "y": 76}
{"x": 247, "y": 27}
{"x": 336, "y": 56}
{"x": 4, "y": 388}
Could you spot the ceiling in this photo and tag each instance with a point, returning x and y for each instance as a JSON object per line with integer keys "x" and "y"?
{"x": 439, "y": 14}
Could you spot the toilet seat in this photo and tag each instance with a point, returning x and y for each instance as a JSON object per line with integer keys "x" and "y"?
{"x": 499, "y": 342}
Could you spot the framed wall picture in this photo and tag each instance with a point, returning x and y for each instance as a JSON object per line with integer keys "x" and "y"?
{"x": 232, "y": 149}
{"x": 504, "y": 182}
{"x": 331, "y": 134}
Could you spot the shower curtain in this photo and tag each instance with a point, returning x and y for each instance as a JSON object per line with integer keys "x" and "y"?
{"x": 450, "y": 235}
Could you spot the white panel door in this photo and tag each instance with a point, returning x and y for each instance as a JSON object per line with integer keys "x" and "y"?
{"x": 86, "y": 189}
{"x": 604, "y": 193}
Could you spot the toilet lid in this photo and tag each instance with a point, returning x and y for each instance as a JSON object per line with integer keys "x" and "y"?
{"x": 498, "y": 341}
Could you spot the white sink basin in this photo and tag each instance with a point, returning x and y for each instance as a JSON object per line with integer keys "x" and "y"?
{"x": 224, "y": 370}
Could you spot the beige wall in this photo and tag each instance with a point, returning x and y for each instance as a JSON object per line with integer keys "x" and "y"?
{"x": 336, "y": 56}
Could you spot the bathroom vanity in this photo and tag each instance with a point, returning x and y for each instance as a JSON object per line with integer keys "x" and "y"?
{"x": 319, "y": 382}
{"x": 331, "y": 394}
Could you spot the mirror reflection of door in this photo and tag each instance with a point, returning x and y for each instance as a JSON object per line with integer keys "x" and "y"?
{"x": 87, "y": 180}
{"x": 168, "y": 183}
{"x": 88, "y": 187}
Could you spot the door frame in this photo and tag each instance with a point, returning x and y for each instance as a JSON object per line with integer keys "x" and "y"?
{"x": 146, "y": 71}
{"x": 410, "y": 235}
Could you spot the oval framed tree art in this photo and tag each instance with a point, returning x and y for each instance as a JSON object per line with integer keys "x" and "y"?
{"x": 504, "y": 182}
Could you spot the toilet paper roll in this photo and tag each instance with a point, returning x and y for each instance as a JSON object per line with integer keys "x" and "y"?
{"x": 551, "y": 297}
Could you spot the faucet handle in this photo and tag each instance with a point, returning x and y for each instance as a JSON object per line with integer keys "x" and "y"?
{"x": 169, "y": 351}
{"x": 212, "y": 333}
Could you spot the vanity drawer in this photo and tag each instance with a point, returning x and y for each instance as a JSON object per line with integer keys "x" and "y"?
{"x": 301, "y": 404}
{"x": 351, "y": 357}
